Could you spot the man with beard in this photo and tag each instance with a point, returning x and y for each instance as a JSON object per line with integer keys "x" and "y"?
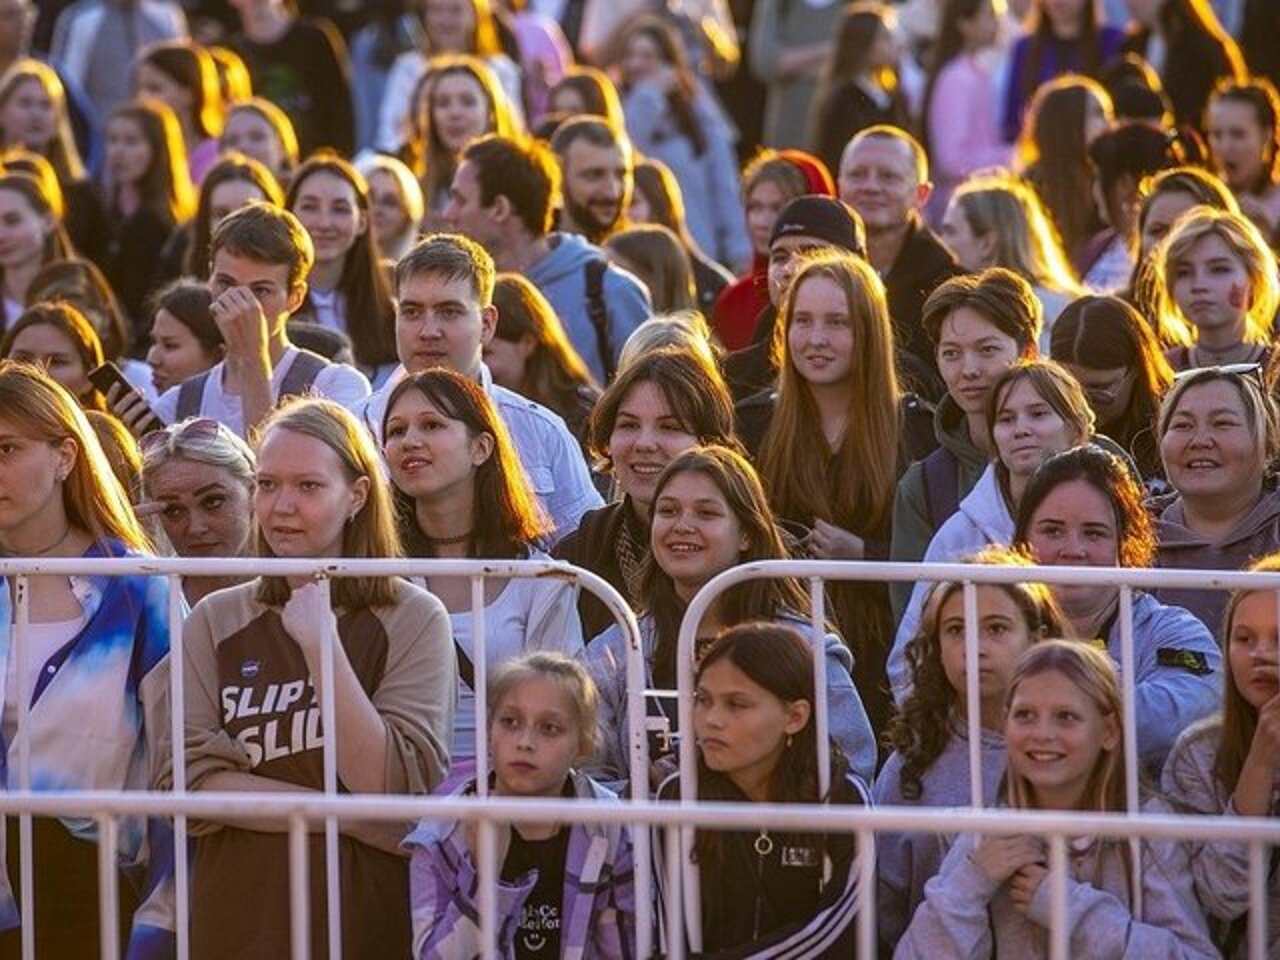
{"x": 503, "y": 196}
{"x": 598, "y": 174}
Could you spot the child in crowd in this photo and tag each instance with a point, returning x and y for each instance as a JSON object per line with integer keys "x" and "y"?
{"x": 565, "y": 889}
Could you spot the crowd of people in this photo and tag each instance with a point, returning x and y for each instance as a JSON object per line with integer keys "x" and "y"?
{"x": 656, "y": 290}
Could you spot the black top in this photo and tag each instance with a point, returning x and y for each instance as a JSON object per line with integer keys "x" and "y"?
{"x": 1194, "y": 62}
{"x": 538, "y": 930}
{"x": 594, "y": 546}
{"x": 922, "y": 265}
{"x": 129, "y": 263}
{"x": 846, "y": 110}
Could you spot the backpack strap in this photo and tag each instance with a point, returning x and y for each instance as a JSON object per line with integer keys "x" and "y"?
{"x": 598, "y": 312}
{"x": 191, "y": 396}
{"x": 302, "y": 374}
{"x": 941, "y": 486}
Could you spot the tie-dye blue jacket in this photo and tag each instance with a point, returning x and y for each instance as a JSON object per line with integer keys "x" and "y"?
{"x": 96, "y": 714}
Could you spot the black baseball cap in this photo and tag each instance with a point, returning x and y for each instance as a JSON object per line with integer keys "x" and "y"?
{"x": 824, "y": 218}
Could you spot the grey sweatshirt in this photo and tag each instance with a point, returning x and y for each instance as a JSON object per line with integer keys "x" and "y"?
{"x": 965, "y": 915}
{"x": 905, "y": 861}
{"x": 1220, "y": 870}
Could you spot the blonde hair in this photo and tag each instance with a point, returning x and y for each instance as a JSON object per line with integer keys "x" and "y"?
{"x": 1026, "y": 240}
{"x": 569, "y": 675}
{"x": 1244, "y": 240}
{"x": 372, "y": 532}
{"x": 92, "y": 496}
{"x": 61, "y": 151}
{"x": 687, "y": 330}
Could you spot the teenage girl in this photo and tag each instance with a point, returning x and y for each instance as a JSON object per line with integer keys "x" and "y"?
{"x": 767, "y": 893}
{"x": 564, "y": 889}
{"x": 1216, "y": 273}
{"x": 930, "y": 763}
{"x": 991, "y": 898}
{"x": 1226, "y": 765}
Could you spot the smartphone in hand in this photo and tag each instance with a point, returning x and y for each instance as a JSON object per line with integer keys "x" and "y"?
{"x": 129, "y": 406}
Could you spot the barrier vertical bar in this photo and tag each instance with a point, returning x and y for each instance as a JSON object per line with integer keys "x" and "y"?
{"x": 1128, "y": 674}
{"x": 299, "y": 890}
{"x": 866, "y": 867}
{"x": 26, "y": 865}
{"x": 1058, "y": 932}
{"x": 1257, "y": 901}
{"x": 676, "y": 929}
{"x": 480, "y": 668}
{"x": 818, "y": 606}
{"x": 108, "y": 893}
{"x": 329, "y": 719}
{"x": 638, "y": 758}
{"x": 973, "y": 694}
{"x": 178, "y": 755}
{"x": 488, "y": 868}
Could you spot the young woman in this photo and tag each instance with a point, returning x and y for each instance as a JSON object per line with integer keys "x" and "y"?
{"x": 182, "y": 75}
{"x": 1185, "y": 43}
{"x": 450, "y": 28}
{"x": 930, "y": 736}
{"x": 1162, "y": 199}
{"x": 1216, "y": 273}
{"x": 837, "y": 434}
{"x": 1084, "y": 509}
{"x": 657, "y": 199}
{"x": 57, "y": 337}
{"x": 319, "y": 493}
{"x": 709, "y": 515}
{"x": 261, "y": 130}
{"x": 657, "y": 407}
{"x": 97, "y": 653}
{"x": 149, "y": 194}
{"x": 1243, "y": 128}
{"x": 670, "y": 117}
{"x": 990, "y": 898}
{"x": 460, "y": 492}
{"x": 185, "y": 340}
{"x": 530, "y": 353}
{"x": 962, "y": 71}
{"x": 347, "y": 288}
{"x": 769, "y": 183}
{"x": 563, "y": 887}
{"x": 1062, "y": 37}
{"x": 1115, "y": 357}
{"x": 200, "y": 476}
{"x": 859, "y": 86}
{"x": 1226, "y": 765}
{"x": 585, "y": 90}
{"x": 33, "y": 116}
{"x": 1036, "y": 409}
{"x": 458, "y": 98}
{"x": 1219, "y": 434}
{"x": 654, "y": 254}
{"x": 1000, "y": 222}
{"x": 396, "y": 204}
{"x": 1065, "y": 116}
{"x": 753, "y": 715}
{"x": 32, "y": 235}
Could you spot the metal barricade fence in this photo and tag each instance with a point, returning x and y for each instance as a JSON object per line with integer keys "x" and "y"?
{"x": 684, "y": 876}
{"x": 477, "y": 571}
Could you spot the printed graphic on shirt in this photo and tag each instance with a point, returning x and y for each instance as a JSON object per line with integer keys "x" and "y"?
{"x": 539, "y": 926}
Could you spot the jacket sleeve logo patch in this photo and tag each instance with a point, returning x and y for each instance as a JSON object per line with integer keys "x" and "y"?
{"x": 1193, "y": 661}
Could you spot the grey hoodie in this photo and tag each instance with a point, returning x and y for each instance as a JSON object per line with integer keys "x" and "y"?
{"x": 965, "y": 914}
{"x": 905, "y": 861}
{"x": 561, "y": 275}
{"x": 1256, "y": 535}
{"x": 1220, "y": 870}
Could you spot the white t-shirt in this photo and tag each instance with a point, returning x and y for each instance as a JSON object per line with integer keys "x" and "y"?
{"x": 338, "y": 382}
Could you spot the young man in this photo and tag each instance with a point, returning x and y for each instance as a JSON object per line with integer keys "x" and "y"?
{"x": 260, "y": 258}
{"x": 502, "y": 196}
{"x": 444, "y": 317}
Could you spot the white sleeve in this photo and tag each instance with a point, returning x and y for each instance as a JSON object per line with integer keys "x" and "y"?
{"x": 166, "y": 405}
{"x": 342, "y": 384}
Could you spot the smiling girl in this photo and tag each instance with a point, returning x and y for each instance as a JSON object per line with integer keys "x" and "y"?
{"x": 991, "y": 898}
{"x": 1229, "y": 765}
{"x": 1036, "y": 409}
{"x": 930, "y": 763}
{"x": 1215, "y": 271}
{"x": 564, "y": 889}
{"x": 257, "y": 647}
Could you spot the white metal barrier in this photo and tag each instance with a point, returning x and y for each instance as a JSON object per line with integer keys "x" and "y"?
{"x": 21, "y": 570}
{"x": 685, "y": 876}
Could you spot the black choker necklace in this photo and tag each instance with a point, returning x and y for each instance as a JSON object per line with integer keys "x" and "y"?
{"x": 449, "y": 541}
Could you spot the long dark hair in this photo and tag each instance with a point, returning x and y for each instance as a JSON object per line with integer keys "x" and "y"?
{"x": 506, "y": 520}
{"x": 230, "y": 167}
{"x": 680, "y": 99}
{"x": 738, "y": 483}
{"x": 1259, "y": 94}
{"x": 365, "y": 289}
{"x": 165, "y": 188}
